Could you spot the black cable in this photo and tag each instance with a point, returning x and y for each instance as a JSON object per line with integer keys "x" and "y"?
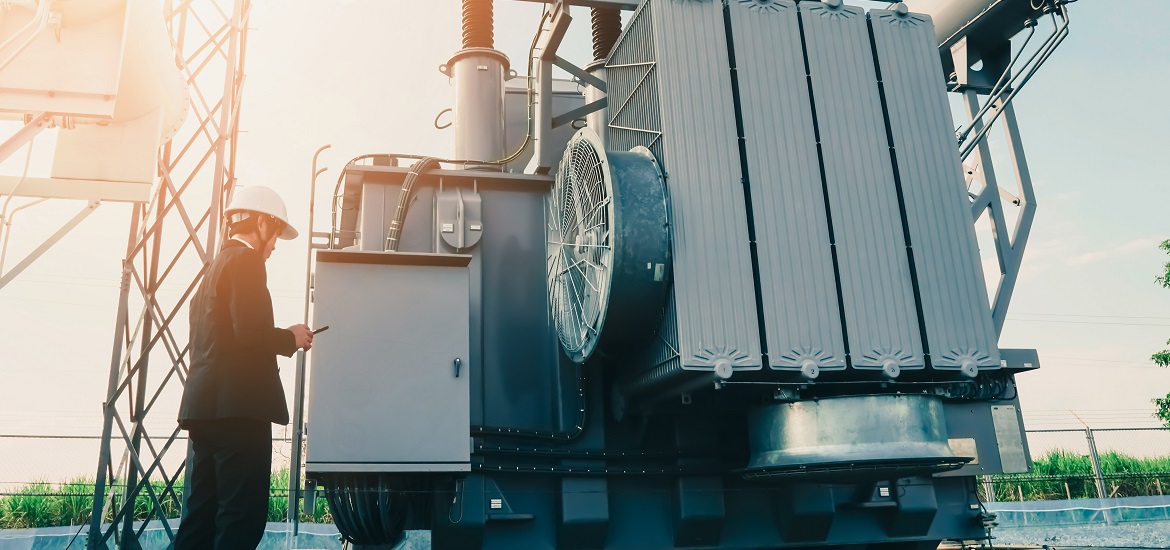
{"x": 395, "y": 230}
{"x": 588, "y": 454}
{"x": 372, "y": 509}
{"x": 342, "y": 515}
{"x": 385, "y": 512}
{"x": 363, "y": 512}
{"x": 459, "y": 483}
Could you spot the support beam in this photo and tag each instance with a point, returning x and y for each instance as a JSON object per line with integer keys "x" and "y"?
{"x": 544, "y": 56}
{"x": 45, "y": 246}
{"x": 580, "y": 73}
{"x": 88, "y": 190}
{"x": 579, "y": 112}
{"x": 24, "y": 135}
{"x": 294, "y": 468}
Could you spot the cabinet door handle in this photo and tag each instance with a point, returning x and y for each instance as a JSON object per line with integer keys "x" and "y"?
{"x": 458, "y": 365}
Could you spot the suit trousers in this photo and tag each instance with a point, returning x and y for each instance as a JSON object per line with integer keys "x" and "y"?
{"x": 228, "y": 474}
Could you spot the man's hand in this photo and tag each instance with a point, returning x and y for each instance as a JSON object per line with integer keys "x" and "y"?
{"x": 303, "y": 335}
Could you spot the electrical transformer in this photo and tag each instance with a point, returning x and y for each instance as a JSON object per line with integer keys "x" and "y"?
{"x": 741, "y": 307}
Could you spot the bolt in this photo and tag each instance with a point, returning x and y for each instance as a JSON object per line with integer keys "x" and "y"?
{"x": 809, "y": 369}
{"x": 723, "y": 369}
{"x": 891, "y": 369}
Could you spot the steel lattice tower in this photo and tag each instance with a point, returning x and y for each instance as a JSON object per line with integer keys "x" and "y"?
{"x": 196, "y": 175}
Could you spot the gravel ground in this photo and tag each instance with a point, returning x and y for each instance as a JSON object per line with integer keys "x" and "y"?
{"x": 1149, "y": 534}
{"x": 1124, "y": 536}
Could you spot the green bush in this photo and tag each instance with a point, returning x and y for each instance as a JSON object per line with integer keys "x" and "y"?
{"x": 1056, "y": 475}
{"x": 278, "y": 502}
{"x": 42, "y": 504}
{"x": 1062, "y": 474}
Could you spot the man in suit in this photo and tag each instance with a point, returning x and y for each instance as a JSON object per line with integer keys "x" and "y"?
{"x": 233, "y": 393}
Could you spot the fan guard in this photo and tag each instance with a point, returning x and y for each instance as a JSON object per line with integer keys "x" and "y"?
{"x": 608, "y": 247}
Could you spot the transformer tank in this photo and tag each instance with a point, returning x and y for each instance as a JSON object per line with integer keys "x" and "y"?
{"x": 745, "y": 309}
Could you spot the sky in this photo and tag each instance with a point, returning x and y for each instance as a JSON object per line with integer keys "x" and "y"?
{"x": 362, "y": 75}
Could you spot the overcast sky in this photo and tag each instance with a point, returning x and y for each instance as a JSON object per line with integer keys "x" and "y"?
{"x": 362, "y": 75}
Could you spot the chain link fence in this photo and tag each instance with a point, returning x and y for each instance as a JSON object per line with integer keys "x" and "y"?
{"x": 1088, "y": 463}
{"x": 1067, "y": 465}
{"x": 27, "y": 459}
{"x": 48, "y": 480}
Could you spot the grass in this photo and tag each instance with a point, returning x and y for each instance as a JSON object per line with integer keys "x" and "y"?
{"x": 1066, "y": 475}
{"x": 43, "y": 504}
{"x": 1055, "y": 476}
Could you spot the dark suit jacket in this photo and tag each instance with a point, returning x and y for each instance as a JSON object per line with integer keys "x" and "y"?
{"x": 233, "y": 371}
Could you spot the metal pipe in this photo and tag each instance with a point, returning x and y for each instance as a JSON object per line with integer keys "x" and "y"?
{"x": 1095, "y": 460}
{"x": 6, "y": 223}
{"x": 294, "y": 471}
{"x": 38, "y": 20}
{"x": 954, "y": 19}
{"x": 109, "y": 406}
{"x": 42, "y": 20}
{"x": 542, "y": 57}
{"x": 997, "y": 88}
{"x": 26, "y": 133}
{"x": 598, "y": 120}
{"x": 1060, "y": 32}
{"x": 5, "y": 218}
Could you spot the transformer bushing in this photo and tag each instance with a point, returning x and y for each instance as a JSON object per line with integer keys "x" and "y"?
{"x": 478, "y": 75}
{"x": 478, "y": 71}
{"x": 606, "y": 29}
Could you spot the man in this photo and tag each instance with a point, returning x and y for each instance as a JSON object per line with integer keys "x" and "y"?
{"x": 233, "y": 393}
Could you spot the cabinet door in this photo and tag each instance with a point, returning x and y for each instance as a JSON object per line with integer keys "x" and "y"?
{"x": 385, "y": 393}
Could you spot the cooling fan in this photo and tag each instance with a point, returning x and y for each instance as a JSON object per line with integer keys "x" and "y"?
{"x": 608, "y": 247}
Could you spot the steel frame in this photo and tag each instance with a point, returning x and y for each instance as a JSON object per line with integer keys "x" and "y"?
{"x": 984, "y": 103}
{"x": 994, "y": 199}
{"x": 6, "y": 221}
{"x": 209, "y": 38}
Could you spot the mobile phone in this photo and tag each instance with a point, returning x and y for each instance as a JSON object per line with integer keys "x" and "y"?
{"x": 322, "y": 329}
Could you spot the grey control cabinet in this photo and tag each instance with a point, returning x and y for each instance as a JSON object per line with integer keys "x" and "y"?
{"x": 388, "y": 389}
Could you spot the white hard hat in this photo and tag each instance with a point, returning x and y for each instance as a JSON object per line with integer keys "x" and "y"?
{"x": 262, "y": 200}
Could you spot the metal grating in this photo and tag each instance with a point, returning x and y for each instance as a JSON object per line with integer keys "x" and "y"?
{"x": 714, "y": 286}
{"x": 580, "y": 255}
{"x": 798, "y": 284}
{"x": 880, "y": 313}
{"x": 632, "y": 80}
{"x": 953, "y": 295}
{"x": 635, "y": 120}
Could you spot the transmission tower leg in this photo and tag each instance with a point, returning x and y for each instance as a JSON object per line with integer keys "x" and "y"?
{"x": 100, "y": 480}
{"x": 199, "y": 161}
